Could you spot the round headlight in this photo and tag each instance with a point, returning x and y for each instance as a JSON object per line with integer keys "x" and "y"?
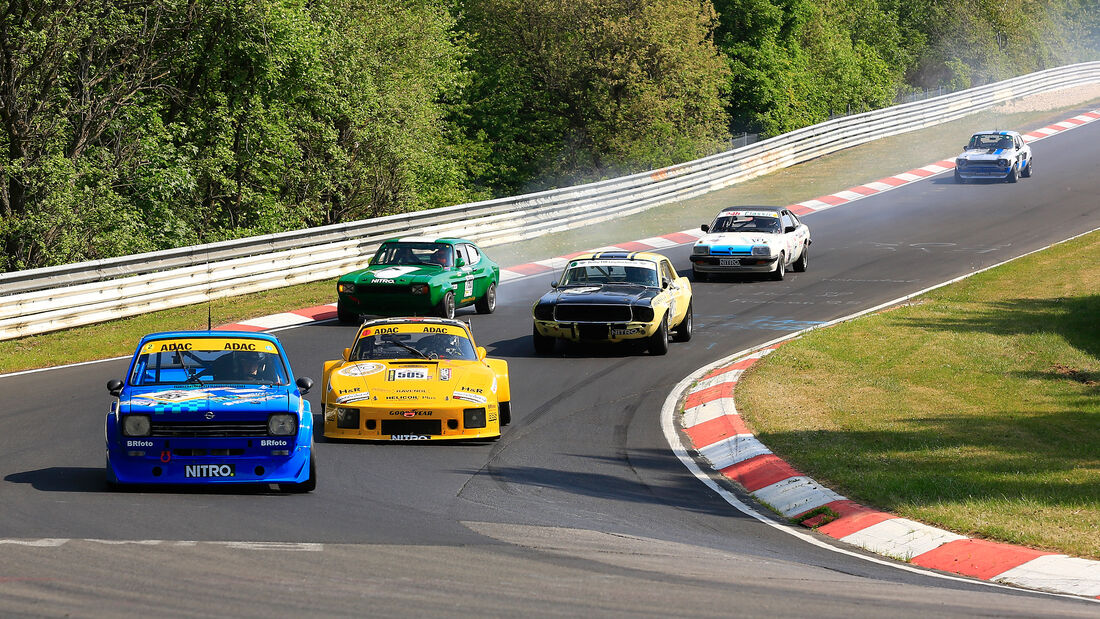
{"x": 960, "y": 163}
{"x": 282, "y": 424}
{"x": 136, "y": 425}
{"x": 1003, "y": 163}
{"x": 700, "y": 250}
{"x": 761, "y": 250}
{"x": 345, "y": 287}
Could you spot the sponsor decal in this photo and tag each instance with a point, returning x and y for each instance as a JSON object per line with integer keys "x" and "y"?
{"x": 414, "y": 373}
{"x": 383, "y": 280}
{"x": 435, "y": 329}
{"x": 177, "y": 395}
{"x": 139, "y": 443}
{"x": 581, "y": 290}
{"x": 739, "y": 213}
{"x": 272, "y": 443}
{"x": 466, "y": 396}
{"x": 638, "y": 264}
{"x": 209, "y": 470}
{"x": 353, "y": 397}
{"x": 413, "y": 413}
{"x": 445, "y": 374}
{"x": 208, "y": 344}
{"x": 361, "y": 369}
{"x": 402, "y": 397}
{"x": 408, "y": 437}
{"x": 394, "y": 271}
{"x": 625, "y": 331}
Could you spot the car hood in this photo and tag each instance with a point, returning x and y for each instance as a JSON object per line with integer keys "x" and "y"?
{"x": 404, "y": 383}
{"x": 610, "y": 294}
{"x": 196, "y": 403}
{"x": 393, "y": 274}
{"x": 738, "y": 240}
{"x": 982, "y": 154}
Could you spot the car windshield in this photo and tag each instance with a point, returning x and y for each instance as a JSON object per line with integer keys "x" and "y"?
{"x": 378, "y": 344}
{"x": 745, "y": 223}
{"x": 206, "y": 367}
{"x": 990, "y": 140}
{"x": 638, "y": 272}
{"x": 415, "y": 253}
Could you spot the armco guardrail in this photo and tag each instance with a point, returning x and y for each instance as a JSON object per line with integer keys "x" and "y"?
{"x": 43, "y": 300}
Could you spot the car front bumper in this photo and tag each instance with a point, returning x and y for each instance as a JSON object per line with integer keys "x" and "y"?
{"x": 734, "y": 264}
{"x": 596, "y": 331}
{"x": 258, "y": 460}
{"x": 454, "y": 419}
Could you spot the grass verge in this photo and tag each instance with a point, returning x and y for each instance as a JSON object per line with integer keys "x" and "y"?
{"x": 975, "y": 408}
{"x": 119, "y": 337}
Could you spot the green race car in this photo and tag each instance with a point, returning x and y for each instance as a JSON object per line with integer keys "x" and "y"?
{"x": 418, "y": 276}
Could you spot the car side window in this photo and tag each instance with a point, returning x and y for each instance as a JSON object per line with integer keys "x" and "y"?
{"x": 787, "y": 223}
{"x": 473, "y": 254}
{"x": 460, "y": 254}
{"x": 668, "y": 275}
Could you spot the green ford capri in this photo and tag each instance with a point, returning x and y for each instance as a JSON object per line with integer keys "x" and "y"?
{"x": 419, "y": 276}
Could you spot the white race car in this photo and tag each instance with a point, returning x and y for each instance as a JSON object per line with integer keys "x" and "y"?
{"x": 752, "y": 239}
{"x": 1000, "y": 155}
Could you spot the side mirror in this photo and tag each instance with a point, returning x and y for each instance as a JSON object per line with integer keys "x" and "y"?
{"x": 790, "y": 228}
{"x": 347, "y": 354}
{"x": 459, "y": 263}
{"x": 481, "y": 353}
{"x": 304, "y": 383}
{"x": 705, "y": 228}
{"x": 553, "y": 283}
{"x": 114, "y": 387}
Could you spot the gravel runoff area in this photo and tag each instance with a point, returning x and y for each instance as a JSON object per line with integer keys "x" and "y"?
{"x": 1050, "y": 100}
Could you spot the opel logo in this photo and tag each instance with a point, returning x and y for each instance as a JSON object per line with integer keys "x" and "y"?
{"x": 209, "y": 415}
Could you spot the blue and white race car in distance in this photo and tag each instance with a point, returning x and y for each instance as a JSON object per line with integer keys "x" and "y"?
{"x": 752, "y": 239}
{"x": 210, "y": 407}
{"x": 999, "y": 155}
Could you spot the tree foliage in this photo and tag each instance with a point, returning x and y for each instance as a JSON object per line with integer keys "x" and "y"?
{"x": 135, "y": 126}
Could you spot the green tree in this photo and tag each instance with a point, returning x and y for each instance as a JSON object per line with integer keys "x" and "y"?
{"x": 567, "y": 90}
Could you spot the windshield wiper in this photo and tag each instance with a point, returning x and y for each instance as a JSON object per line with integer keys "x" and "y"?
{"x": 410, "y": 349}
{"x": 192, "y": 375}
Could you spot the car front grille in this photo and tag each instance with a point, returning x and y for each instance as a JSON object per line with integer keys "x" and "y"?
{"x": 184, "y": 429}
{"x": 381, "y": 289}
{"x": 593, "y": 313}
{"x": 431, "y": 427}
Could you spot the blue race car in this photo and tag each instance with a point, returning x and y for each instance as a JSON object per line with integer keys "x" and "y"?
{"x": 210, "y": 407}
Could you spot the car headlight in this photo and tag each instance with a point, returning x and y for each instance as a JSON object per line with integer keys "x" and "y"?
{"x": 959, "y": 163}
{"x": 345, "y": 287}
{"x": 701, "y": 250}
{"x": 282, "y": 424}
{"x": 136, "y": 425}
{"x": 1003, "y": 163}
{"x": 544, "y": 311}
{"x": 642, "y": 313}
{"x": 420, "y": 289}
{"x": 761, "y": 250}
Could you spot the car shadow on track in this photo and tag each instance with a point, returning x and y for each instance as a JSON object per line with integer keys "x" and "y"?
{"x": 93, "y": 479}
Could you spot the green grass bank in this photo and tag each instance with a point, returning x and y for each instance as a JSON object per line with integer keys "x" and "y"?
{"x": 975, "y": 407}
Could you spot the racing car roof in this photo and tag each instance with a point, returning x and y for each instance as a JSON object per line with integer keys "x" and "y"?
{"x": 618, "y": 255}
{"x": 427, "y": 239}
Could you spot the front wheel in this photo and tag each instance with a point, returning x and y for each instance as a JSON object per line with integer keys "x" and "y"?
{"x": 803, "y": 260}
{"x": 308, "y": 485}
{"x": 1013, "y": 174}
{"x": 344, "y": 315}
{"x": 487, "y": 304}
{"x": 544, "y": 344}
{"x": 1027, "y": 169}
{"x": 446, "y": 307}
{"x": 682, "y": 332}
{"x": 505, "y": 413}
{"x": 780, "y": 268}
{"x": 658, "y": 342}
{"x": 959, "y": 179}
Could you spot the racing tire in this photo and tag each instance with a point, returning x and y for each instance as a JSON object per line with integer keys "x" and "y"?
{"x": 308, "y": 485}
{"x": 698, "y": 276}
{"x": 505, "y": 413}
{"x": 487, "y": 304}
{"x": 544, "y": 344}
{"x": 803, "y": 261}
{"x": 780, "y": 268}
{"x": 959, "y": 179}
{"x": 1013, "y": 174}
{"x": 682, "y": 332}
{"x": 658, "y": 342}
{"x": 344, "y": 315}
{"x": 1026, "y": 173}
{"x": 446, "y": 307}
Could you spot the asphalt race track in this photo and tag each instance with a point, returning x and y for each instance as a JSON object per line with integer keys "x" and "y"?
{"x": 579, "y": 509}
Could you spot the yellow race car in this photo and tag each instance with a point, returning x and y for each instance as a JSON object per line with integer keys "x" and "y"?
{"x": 415, "y": 379}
